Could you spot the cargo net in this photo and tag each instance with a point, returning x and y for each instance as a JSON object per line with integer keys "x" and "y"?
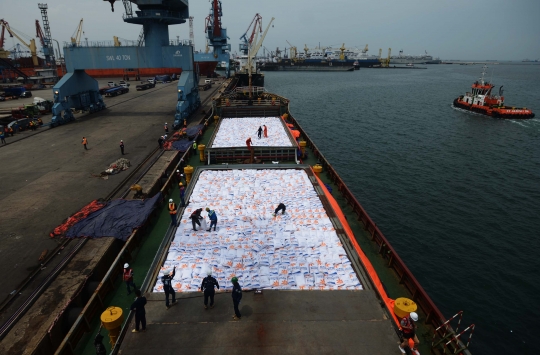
{"x": 299, "y": 250}
{"x": 233, "y": 132}
{"x": 116, "y": 167}
{"x": 72, "y": 220}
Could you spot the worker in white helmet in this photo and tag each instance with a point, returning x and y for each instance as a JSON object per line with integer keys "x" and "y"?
{"x": 166, "y": 128}
{"x": 128, "y": 278}
{"x": 408, "y": 329}
{"x": 172, "y": 211}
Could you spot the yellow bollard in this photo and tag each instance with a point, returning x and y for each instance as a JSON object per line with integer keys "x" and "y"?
{"x": 112, "y": 320}
{"x": 317, "y": 169}
{"x": 303, "y": 147}
{"x": 403, "y": 306}
{"x": 188, "y": 170}
{"x": 201, "y": 151}
{"x": 216, "y": 119}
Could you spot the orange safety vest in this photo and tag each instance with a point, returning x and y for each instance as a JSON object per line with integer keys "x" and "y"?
{"x": 172, "y": 208}
{"x": 84, "y": 141}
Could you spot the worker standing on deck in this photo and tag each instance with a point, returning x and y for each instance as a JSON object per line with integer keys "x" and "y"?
{"x": 208, "y": 287}
{"x": 84, "y": 143}
{"x": 128, "y": 278}
{"x": 259, "y": 132}
{"x": 166, "y": 128}
{"x": 213, "y": 219}
{"x": 122, "y": 146}
{"x": 265, "y": 131}
{"x": 195, "y": 217}
{"x": 195, "y": 146}
{"x": 248, "y": 143}
{"x": 236, "y": 297}
{"x": 281, "y": 207}
{"x": 3, "y": 137}
{"x": 167, "y": 286}
{"x": 408, "y": 329}
{"x": 182, "y": 194}
{"x": 185, "y": 123}
{"x": 140, "y": 312}
{"x": 160, "y": 142}
{"x": 172, "y": 211}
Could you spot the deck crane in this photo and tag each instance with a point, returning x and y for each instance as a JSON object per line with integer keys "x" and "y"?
{"x": 253, "y": 52}
{"x": 342, "y": 52}
{"x": 386, "y": 62}
{"x": 365, "y": 50}
{"x": 257, "y": 24}
{"x": 76, "y": 37}
{"x": 31, "y": 46}
{"x": 292, "y": 51}
{"x": 3, "y": 53}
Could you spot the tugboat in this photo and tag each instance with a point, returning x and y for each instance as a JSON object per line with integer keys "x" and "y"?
{"x": 481, "y": 100}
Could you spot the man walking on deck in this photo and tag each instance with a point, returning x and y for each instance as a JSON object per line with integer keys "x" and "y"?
{"x": 167, "y": 286}
{"x": 122, "y": 146}
{"x": 248, "y": 143}
{"x": 408, "y": 329}
{"x": 213, "y": 219}
{"x": 236, "y": 297}
{"x": 281, "y": 207}
{"x": 140, "y": 313}
{"x": 259, "y": 132}
{"x": 195, "y": 217}
{"x": 166, "y": 128}
{"x": 160, "y": 142}
{"x": 182, "y": 194}
{"x": 128, "y": 278}
{"x": 265, "y": 131}
{"x": 172, "y": 211}
{"x": 84, "y": 142}
{"x": 208, "y": 287}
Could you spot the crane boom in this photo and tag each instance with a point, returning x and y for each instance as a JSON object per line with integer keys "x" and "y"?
{"x": 31, "y": 46}
{"x": 76, "y": 39}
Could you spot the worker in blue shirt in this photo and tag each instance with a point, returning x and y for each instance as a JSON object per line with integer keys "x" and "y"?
{"x": 213, "y": 219}
{"x": 140, "y": 313}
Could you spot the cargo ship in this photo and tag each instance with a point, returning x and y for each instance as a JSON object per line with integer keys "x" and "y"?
{"x": 414, "y": 59}
{"x": 481, "y": 100}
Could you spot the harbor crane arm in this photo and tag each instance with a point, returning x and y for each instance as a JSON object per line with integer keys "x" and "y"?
{"x": 76, "y": 38}
{"x": 253, "y": 50}
{"x": 31, "y": 46}
{"x": 292, "y": 50}
{"x": 2, "y": 35}
{"x": 256, "y": 23}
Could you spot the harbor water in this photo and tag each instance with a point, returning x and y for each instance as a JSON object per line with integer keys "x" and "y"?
{"x": 456, "y": 193}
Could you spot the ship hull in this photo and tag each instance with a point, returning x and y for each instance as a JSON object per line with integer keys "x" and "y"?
{"x": 412, "y": 60}
{"x": 496, "y": 112}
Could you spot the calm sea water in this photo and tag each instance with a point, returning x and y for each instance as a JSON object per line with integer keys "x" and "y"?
{"x": 455, "y": 193}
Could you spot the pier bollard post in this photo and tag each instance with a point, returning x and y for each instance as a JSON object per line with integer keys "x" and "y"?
{"x": 216, "y": 119}
{"x": 303, "y": 147}
{"x": 112, "y": 320}
{"x": 188, "y": 170}
{"x": 404, "y": 306}
{"x": 201, "y": 151}
{"x": 317, "y": 169}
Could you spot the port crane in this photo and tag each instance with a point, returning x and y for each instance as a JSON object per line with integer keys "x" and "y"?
{"x": 385, "y": 63}
{"x": 3, "y": 53}
{"x": 252, "y": 53}
{"x": 76, "y": 37}
{"x": 46, "y": 39}
{"x": 216, "y": 36}
{"x": 292, "y": 51}
{"x": 31, "y": 45}
{"x": 246, "y": 43}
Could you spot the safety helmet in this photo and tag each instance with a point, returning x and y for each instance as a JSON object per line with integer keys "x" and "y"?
{"x": 165, "y": 122}
{"x": 209, "y": 273}
{"x": 121, "y": 141}
{"x": 177, "y": 171}
{"x": 234, "y": 279}
{"x": 165, "y": 272}
{"x": 171, "y": 200}
{"x": 126, "y": 265}
{"x": 180, "y": 184}
{"x": 207, "y": 209}
{"x": 414, "y": 316}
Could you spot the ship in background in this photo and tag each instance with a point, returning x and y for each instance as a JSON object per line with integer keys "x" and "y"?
{"x": 414, "y": 59}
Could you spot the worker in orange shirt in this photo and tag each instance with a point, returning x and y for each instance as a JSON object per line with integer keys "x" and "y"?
{"x": 248, "y": 143}
{"x": 265, "y": 131}
{"x": 84, "y": 142}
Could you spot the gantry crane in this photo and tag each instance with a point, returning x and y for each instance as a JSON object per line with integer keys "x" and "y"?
{"x": 76, "y": 37}
{"x": 257, "y": 24}
{"x": 31, "y": 46}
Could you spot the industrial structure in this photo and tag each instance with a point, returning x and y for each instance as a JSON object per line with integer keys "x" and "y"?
{"x": 78, "y": 90}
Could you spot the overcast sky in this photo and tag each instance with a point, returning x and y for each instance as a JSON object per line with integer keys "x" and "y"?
{"x": 449, "y": 29}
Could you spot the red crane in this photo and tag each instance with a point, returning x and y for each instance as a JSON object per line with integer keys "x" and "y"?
{"x": 257, "y": 24}
{"x": 214, "y": 19}
{"x": 39, "y": 34}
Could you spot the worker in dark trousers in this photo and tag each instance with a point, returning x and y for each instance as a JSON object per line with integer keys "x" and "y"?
{"x": 167, "y": 286}
{"x": 182, "y": 194}
{"x": 172, "y": 211}
{"x": 128, "y": 278}
{"x": 84, "y": 143}
{"x": 209, "y": 283}
{"x": 166, "y": 128}
{"x": 259, "y": 132}
{"x": 160, "y": 142}
{"x": 213, "y": 219}
{"x": 236, "y": 297}
{"x": 122, "y": 146}
{"x": 140, "y": 313}
{"x": 280, "y": 207}
{"x": 195, "y": 217}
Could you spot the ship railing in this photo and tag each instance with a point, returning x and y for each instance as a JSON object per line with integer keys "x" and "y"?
{"x": 434, "y": 317}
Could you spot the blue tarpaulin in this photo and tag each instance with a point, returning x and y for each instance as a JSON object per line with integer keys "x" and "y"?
{"x": 182, "y": 145}
{"x": 192, "y": 131}
{"x": 117, "y": 219}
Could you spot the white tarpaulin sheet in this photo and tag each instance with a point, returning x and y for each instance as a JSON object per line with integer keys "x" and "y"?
{"x": 299, "y": 250}
{"x": 233, "y": 132}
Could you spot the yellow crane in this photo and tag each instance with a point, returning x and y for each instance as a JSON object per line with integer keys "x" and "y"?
{"x": 342, "y": 53}
{"x": 76, "y": 37}
{"x": 366, "y": 49}
{"x": 31, "y": 46}
{"x": 117, "y": 42}
{"x": 293, "y": 51}
{"x": 385, "y": 62}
